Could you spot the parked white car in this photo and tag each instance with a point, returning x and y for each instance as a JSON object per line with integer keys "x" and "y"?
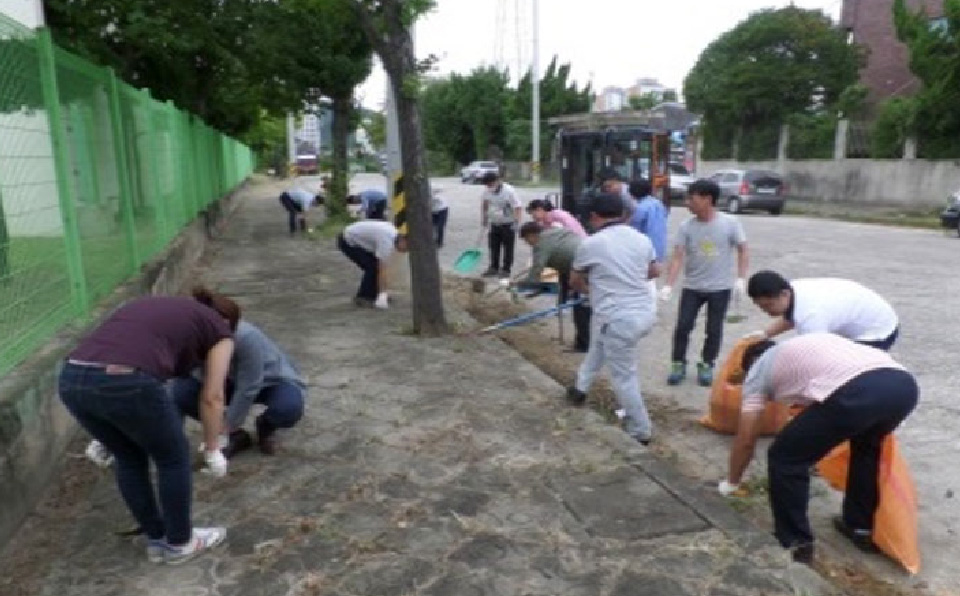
{"x": 475, "y": 171}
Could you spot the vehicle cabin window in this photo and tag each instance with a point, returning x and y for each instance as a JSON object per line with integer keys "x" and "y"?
{"x": 731, "y": 177}
{"x": 716, "y": 177}
{"x": 488, "y": 164}
{"x": 679, "y": 170}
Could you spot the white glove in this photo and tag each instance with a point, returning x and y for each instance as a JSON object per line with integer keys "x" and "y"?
{"x": 98, "y": 454}
{"x": 665, "y": 293}
{"x": 222, "y": 442}
{"x": 726, "y": 489}
{"x": 383, "y": 301}
{"x": 756, "y": 335}
{"x": 216, "y": 463}
{"x": 741, "y": 287}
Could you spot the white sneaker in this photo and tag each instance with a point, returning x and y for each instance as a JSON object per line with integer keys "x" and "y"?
{"x": 99, "y": 454}
{"x": 203, "y": 539}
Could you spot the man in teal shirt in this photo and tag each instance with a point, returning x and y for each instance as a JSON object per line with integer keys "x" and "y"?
{"x": 555, "y": 248}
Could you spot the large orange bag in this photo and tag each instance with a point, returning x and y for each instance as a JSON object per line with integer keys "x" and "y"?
{"x": 895, "y": 523}
{"x": 725, "y": 398}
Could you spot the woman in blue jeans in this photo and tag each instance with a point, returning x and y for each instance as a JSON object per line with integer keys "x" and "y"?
{"x": 113, "y": 384}
{"x": 260, "y": 373}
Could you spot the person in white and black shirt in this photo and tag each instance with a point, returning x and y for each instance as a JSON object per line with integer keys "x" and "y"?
{"x": 501, "y": 212}
{"x": 830, "y": 305}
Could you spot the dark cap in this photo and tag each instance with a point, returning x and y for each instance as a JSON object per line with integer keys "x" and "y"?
{"x": 607, "y": 205}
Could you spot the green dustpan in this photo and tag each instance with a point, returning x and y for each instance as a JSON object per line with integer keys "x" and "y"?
{"x": 468, "y": 261}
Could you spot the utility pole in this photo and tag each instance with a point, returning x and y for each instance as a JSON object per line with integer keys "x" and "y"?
{"x": 535, "y": 80}
{"x": 291, "y": 144}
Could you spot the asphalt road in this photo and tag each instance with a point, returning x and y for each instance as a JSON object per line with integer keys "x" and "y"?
{"x": 915, "y": 270}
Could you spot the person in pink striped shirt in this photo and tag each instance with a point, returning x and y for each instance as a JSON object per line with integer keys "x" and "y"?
{"x": 544, "y": 213}
{"x": 852, "y": 392}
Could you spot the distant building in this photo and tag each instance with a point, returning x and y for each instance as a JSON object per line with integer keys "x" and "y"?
{"x": 611, "y": 99}
{"x": 870, "y": 24}
{"x": 649, "y": 86}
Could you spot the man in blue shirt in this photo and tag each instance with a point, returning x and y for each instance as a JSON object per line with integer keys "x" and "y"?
{"x": 373, "y": 203}
{"x": 650, "y": 217}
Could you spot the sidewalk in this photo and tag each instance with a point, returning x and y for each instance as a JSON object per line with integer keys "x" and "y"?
{"x": 440, "y": 467}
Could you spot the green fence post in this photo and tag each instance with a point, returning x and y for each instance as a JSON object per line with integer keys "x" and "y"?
{"x": 123, "y": 168}
{"x": 68, "y": 212}
{"x": 160, "y": 204}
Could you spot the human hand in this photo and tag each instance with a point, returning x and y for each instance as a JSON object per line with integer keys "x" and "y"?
{"x": 758, "y": 335}
{"x": 222, "y": 442}
{"x": 383, "y": 301}
{"x": 665, "y": 293}
{"x": 216, "y": 463}
{"x": 727, "y": 489}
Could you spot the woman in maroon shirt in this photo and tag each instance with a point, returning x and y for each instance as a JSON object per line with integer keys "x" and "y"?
{"x": 113, "y": 384}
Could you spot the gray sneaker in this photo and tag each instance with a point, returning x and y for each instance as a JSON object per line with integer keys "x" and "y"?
{"x": 203, "y": 539}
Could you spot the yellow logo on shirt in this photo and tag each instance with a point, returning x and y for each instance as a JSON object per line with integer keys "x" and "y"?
{"x": 708, "y": 248}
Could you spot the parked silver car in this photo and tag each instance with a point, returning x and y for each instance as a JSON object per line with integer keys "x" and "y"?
{"x": 680, "y": 179}
{"x": 475, "y": 171}
{"x": 751, "y": 190}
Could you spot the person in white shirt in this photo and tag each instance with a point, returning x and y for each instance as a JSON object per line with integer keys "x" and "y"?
{"x": 439, "y": 211}
{"x": 830, "y": 305}
{"x": 297, "y": 202}
{"x": 369, "y": 244}
{"x": 501, "y": 212}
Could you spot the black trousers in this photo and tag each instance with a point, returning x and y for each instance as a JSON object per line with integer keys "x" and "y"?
{"x": 440, "y": 224}
{"x": 864, "y": 411}
{"x": 690, "y": 303}
{"x": 502, "y": 236}
{"x": 368, "y": 262}
{"x": 581, "y": 314}
{"x": 294, "y": 211}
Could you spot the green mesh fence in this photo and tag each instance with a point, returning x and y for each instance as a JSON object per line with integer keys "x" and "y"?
{"x": 96, "y": 178}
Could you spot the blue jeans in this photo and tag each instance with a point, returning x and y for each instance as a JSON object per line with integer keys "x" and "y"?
{"x": 135, "y": 418}
{"x": 284, "y": 401}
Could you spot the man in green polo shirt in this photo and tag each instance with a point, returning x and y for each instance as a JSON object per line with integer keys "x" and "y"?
{"x": 555, "y": 248}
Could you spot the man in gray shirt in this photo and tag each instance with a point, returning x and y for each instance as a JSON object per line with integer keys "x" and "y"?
{"x": 556, "y": 248}
{"x": 616, "y": 263}
{"x": 705, "y": 246}
{"x": 500, "y": 211}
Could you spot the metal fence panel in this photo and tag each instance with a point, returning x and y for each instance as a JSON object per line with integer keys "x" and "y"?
{"x": 96, "y": 178}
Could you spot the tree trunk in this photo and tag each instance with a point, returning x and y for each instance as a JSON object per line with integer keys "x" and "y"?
{"x": 390, "y": 37}
{"x": 336, "y": 202}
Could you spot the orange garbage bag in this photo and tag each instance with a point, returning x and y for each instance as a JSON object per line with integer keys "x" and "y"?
{"x": 725, "y": 397}
{"x": 895, "y": 523}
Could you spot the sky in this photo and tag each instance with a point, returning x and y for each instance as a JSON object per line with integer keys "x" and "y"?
{"x": 608, "y": 42}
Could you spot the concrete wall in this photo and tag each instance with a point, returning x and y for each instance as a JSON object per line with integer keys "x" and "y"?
{"x": 35, "y": 429}
{"x": 903, "y": 183}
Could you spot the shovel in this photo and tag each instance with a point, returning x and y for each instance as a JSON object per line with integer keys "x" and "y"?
{"x": 468, "y": 261}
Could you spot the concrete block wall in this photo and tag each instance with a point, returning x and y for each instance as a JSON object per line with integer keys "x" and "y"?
{"x": 907, "y": 183}
{"x": 35, "y": 428}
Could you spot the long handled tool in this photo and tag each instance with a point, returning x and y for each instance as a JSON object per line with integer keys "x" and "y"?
{"x": 532, "y": 316}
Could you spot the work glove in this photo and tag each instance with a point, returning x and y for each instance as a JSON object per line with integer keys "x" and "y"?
{"x": 756, "y": 335}
{"x": 383, "y": 301}
{"x": 727, "y": 489}
{"x": 741, "y": 287}
{"x": 222, "y": 442}
{"x": 665, "y": 293}
{"x": 216, "y": 463}
{"x": 98, "y": 454}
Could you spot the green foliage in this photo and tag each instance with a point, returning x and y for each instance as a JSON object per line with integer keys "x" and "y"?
{"x": 375, "y": 124}
{"x": 644, "y": 102}
{"x": 894, "y": 123}
{"x": 773, "y": 65}
{"x": 268, "y": 139}
{"x": 812, "y": 136}
{"x": 932, "y": 116}
{"x": 479, "y": 115}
